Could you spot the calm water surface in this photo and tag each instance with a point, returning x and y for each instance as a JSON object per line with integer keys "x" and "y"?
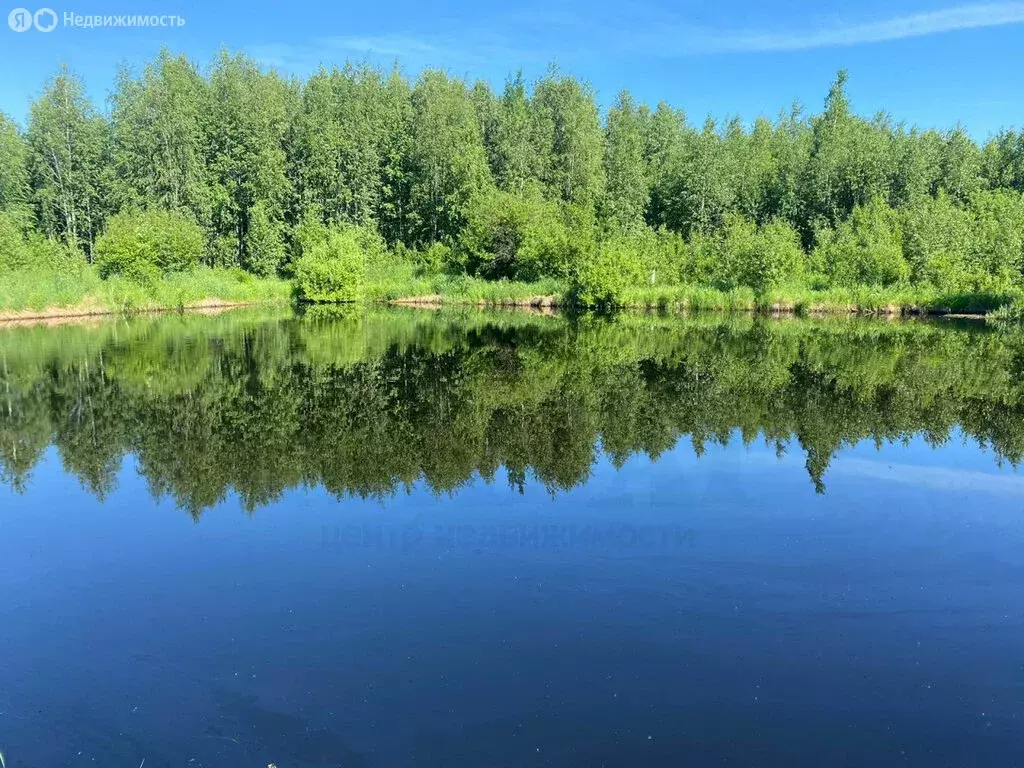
{"x": 416, "y": 539}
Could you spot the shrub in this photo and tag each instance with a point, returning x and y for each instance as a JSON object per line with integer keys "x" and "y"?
{"x": 997, "y": 237}
{"x": 866, "y": 249}
{"x": 264, "y": 248}
{"x": 332, "y": 267}
{"x": 13, "y": 250}
{"x": 936, "y": 243}
{"x": 432, "y": 260}
{"x": 144, "y": 243}
{"x": 701, "y": 263}
{"x": 20, "y": 251}
{"x": 1008, "y": 315}
{"x": 313, "y": 233}
{"x": 669, "y": 256}
{"x": 522, "y": 236}
{"x": 779, "y": 257}
{"x": 603, "y": 276}
{"x": 757, "y": 257}
{"x": 222, "y": 251}
{"x": 563, "y": 235}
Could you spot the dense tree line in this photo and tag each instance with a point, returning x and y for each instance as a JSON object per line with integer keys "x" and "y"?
{"x": 532, "y": 181}
{"x": 368, "y": 404}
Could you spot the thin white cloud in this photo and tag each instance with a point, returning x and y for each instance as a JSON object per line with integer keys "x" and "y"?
{"x": 636, "y": 34}
{"x": 384, "y": 45}
{"x": 689, "y": 40}
{"x": 331, "y": 51}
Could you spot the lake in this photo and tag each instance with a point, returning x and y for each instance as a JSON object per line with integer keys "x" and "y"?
{"x": 416, "y": 538}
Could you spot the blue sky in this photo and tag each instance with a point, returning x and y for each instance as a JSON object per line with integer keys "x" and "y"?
{"x": 928, "y": 62}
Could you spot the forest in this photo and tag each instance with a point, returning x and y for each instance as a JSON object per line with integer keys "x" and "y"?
{"x": 359, "y": 183}
{"x": 250, "y": 404}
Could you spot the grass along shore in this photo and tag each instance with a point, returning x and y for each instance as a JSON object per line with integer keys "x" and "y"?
{"x": 80, "y": 291}
{"x": 685, "y": 298}
{"x": 70, "y": 288}
{"x": 388, "y": 281}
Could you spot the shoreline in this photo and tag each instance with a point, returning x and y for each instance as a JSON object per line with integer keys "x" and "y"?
{"x": 544, "y": 304}
{"x": 82, "y": 314}
{"x": 552, "y": 304}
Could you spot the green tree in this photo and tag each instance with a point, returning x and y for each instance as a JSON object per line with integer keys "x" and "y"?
{"x": 394, "y": 213}
{"x": 250, "y": 114}
{"x": 447, "y": 160}
{"x": 758, "y": 257}
{"x": 488, "y": 115}
{"x": 916, "y": 169}
{"x": 160, "y": 138}
{"x": 515, "y": 157}
{"x": 68, "y": 149}
{"x": 997, "y": 240}
{"x": 959, "y": 165}
{"x": 849, "y": 161}
{"x": 628, "y": 189}
{"x": 865, "y": 249}
{"x": 571, "y": 141}
{"x": 337, "y": 143}
{"x": 15, "y": 192}
{"x": 664, "y": 132}
{"x": 755, "y": 167}
{"x": 791, "y": 144}
{"x": 523, "y": 236}
{"x": 1003, "y": 161}
{"x": 702, "y": 183}
{"x": 332, "y": 267}
{"x": 937, "y": 242}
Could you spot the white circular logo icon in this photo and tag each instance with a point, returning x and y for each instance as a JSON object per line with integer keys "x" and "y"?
{"x": 45, "y": 19}
{"x": 20, "y": 19}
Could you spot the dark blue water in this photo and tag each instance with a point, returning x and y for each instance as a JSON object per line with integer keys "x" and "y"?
{"x": 710, "y": 609}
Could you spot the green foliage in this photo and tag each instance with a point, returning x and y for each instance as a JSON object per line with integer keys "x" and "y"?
{"x": 161, "y": 138}
{"x": 250, "y": 114}
{"x": 460, "y": 182}
{"x": 1008, "y": 315}
{"x": 434, "y": 259}
{"x": 937, "y": 239}
{"x": 997, "y": 238}
{"x": 866, "y": 249}
{"x": 340, "y": 145}
{"x": 1002, "y": 161}
{"x": 570, "y": 140}
{"x": 68, "y": 144}
{"x": 13, "y": 253}
{"x": 30, "y": 251}
{"x": 628, "y": 189}
{"x": 514, "y": 139}
{"x": 15, "y": 192}
{"x": 849, "y": 163}
{"x": 447, "y": 161}
{"x": 264, "y": 248}
{"x": 523, "y": 236}
{"x": 755, "y": 257}
{"x": 332, "y": 267}
{"x": 148, "y": 244}
{"x": 700, "y": 186}
{"x": 602, "y": 278}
